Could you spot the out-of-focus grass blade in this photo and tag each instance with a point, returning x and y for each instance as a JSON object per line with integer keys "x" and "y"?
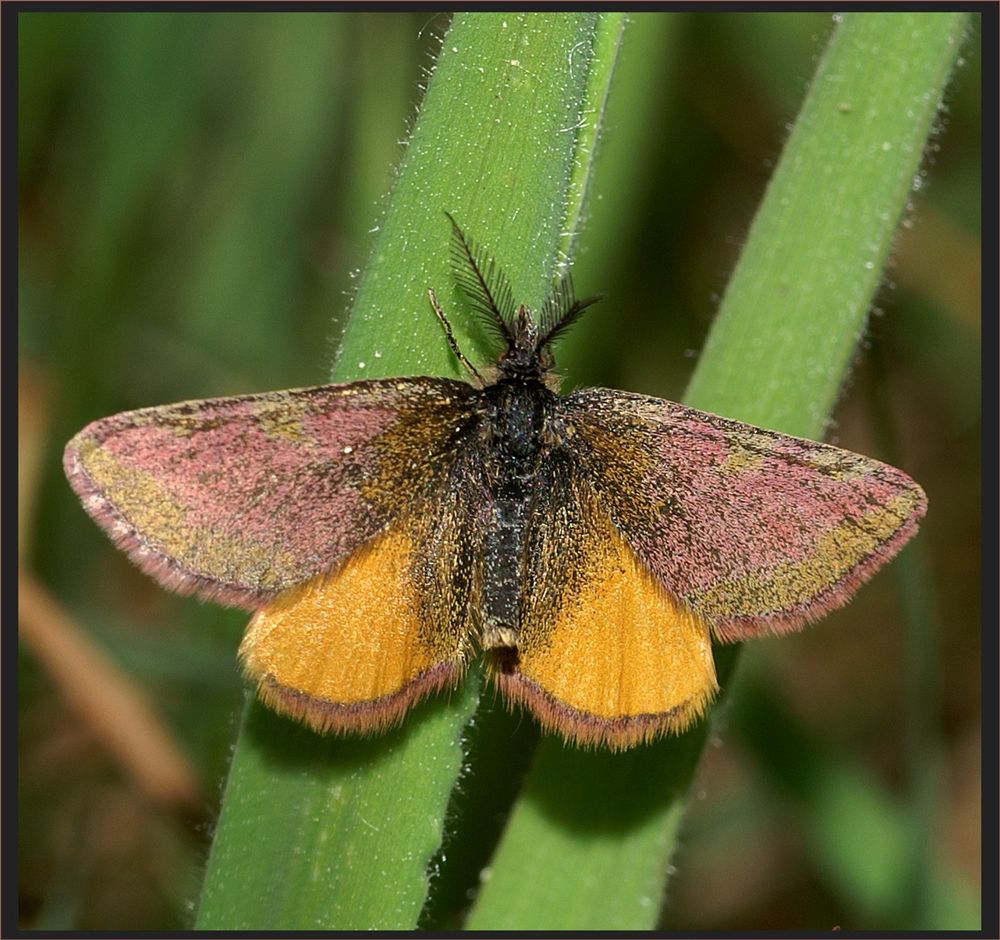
{"x": 842, "y": 808}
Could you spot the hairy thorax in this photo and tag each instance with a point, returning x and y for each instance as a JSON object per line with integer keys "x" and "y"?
{"x": 519, "y": 428}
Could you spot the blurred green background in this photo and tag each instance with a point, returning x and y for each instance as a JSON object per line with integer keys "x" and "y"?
{"x": 197, "y": 193}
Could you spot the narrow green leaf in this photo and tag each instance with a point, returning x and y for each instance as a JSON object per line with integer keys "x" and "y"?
{"x": 619, "y": 188}
{"x": 589, "y": 845}
{"x": 319, "y": 832}
{"x": 797, "y": 303}
{"x": 337, "y": 833}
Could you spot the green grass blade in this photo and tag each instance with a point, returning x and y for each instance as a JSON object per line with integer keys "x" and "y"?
{"x": 588, "y": 847}
{"x": 643, "y": 83}
{"x": 504, "y": 128}
{"x": 337, "y": 833}
{"x": 797, "y": 303}
{"x": 609, "y": 32}
{"x": 319, "y": 832}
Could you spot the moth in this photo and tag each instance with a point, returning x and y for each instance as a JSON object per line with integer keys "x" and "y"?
{"x": 591, "y": 546}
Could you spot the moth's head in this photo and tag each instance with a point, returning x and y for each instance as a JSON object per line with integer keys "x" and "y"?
{"x": 528, "y": 337}
{"x": 528, "y": 355}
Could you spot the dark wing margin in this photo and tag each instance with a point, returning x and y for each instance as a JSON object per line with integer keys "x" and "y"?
{"x": 239, "y": 499}
{"x": 752, "y": 530}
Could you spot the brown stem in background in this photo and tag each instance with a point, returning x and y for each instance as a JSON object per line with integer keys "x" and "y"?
{"x": 107, "y": 701}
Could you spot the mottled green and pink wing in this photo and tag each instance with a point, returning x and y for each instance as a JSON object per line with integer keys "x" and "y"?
{"x": 754, "y": 531}
{"x": 239, "y": 499}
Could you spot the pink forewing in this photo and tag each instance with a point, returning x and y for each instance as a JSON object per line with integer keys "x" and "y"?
{"x": 758, "y": 530}
{"x": 240, "y": 498}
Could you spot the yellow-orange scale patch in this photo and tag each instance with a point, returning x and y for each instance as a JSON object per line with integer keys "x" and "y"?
{"x": 346, "y": 651}
{"x": 621, "y": 662}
